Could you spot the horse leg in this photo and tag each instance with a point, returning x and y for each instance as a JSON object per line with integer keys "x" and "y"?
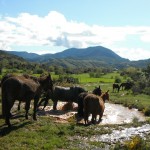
{"x": 35, "y": 108}
{"x": 80, "y": 107}
{"x": 100, "y": 118}
{"x": 93, "y": 118}
{"x": 86, "y": 118}
{"x": 7, "y": 118}
{"x": 45, "y": 104}
{"x": 55, "y": 104}
{"x": 42, "y": 100}
{"x": 27, "y": 107}
{"x": 8, "y": 114}
{"x": 118, "y": 89}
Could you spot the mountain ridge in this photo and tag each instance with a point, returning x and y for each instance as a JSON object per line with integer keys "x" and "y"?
{"x": 76, "y": 57}
{"x": 96, "y": 52}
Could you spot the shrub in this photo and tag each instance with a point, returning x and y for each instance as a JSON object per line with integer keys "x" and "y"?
{"x": 117, "y": 79}
{"x": 147, "y": 111}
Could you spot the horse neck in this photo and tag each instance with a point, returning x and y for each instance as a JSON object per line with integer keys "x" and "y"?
{"x": 41, "y": 82}
{"x": 103, "y": 96}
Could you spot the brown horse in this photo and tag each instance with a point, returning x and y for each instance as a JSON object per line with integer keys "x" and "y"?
{"x": 94, "y": 105}
{"x": 96, "y": 91}
{"x": 23, "y": 89}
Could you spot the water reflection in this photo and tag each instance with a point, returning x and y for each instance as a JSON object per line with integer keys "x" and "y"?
{"x": 122, "y": 135}
{"x": 118, "y": 114}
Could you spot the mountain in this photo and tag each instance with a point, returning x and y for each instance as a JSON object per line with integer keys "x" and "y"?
{"x": 24, "y": 54}
{"x": 12, "y": 61}
{"x": 10, "y": 57}
{"x": 85, "y": 57}
{"x": 98, "y": 53}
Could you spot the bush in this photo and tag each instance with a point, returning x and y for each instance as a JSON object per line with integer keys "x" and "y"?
{"x": 147, "y": 111}
{"x": 117, "y": 79}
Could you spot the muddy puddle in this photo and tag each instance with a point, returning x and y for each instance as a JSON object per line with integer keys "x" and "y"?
{"x": 113, "y": 114}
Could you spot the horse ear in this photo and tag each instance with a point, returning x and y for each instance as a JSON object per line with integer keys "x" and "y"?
{"x": 107, "y": 91}
{"x": 99, "y": 87}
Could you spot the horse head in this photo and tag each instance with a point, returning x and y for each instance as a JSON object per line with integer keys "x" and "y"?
{"x": 97, "y": 91}
{"x": 46, "y": 83}
{"x": 105, "y": 96}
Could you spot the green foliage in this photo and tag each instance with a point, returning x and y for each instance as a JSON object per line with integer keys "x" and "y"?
{"x": 147, "y": 111}
{"x": 117, "y": 79}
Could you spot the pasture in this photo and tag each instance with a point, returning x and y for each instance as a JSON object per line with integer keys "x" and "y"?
{"x": 47, "y": 133}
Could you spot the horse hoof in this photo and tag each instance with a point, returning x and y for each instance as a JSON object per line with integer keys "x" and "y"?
{"x": 9, "y": 125}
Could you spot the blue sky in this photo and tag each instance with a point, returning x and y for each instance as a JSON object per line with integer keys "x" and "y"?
{"x": 46, "y": 26}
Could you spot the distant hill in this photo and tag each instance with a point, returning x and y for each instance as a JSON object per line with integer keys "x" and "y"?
{"x": 10, "y": 57}
{"x": 85, "y": 57}
{"x": 11, "y": 61}
{"x": 24, "y": 55}
{"x": 91, "y": 53}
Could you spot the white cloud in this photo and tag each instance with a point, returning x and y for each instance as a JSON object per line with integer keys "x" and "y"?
{"x": 133, "y": 53}
{"x": 55, "y": 30}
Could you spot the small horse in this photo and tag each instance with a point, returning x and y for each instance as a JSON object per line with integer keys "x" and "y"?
{"x": 96, "y": 91}
{"x": 23, "y": 89}
{"x": 94, "y": 105}
{"x": 116, "y": 87}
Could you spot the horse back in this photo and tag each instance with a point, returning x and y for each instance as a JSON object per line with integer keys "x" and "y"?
{"x": 61, "y": 93}
{"x": 92, "y": 103}
{"x": 20, "y": 88}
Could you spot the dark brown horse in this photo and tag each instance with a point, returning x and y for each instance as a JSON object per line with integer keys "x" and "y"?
{"x": 12, "y": 75}
{"x": 65, "y": 94}
{"x": 116, "y": 87}
{"x": 126, "y": 85}
{"x": 23, "y": 89}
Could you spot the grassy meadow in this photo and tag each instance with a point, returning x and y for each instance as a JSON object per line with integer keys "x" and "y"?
{"x": 46, "y": 133}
